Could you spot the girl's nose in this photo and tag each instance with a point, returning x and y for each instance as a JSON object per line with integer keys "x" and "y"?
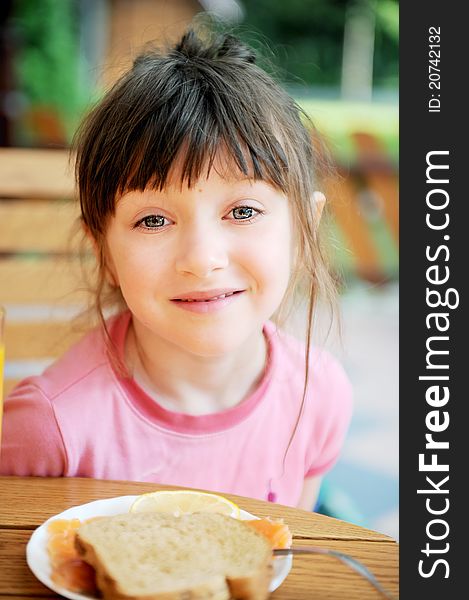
{"x": 201, "y": 252}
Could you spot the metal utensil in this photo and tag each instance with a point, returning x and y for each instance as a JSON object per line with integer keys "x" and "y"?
{"x": 351, "y": 562}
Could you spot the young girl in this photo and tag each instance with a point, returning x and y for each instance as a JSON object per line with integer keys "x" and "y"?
{"x": 197, "y": 190}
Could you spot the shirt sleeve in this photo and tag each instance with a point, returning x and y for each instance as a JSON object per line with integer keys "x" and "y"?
{"x": 31, "y": 441}
{"x": 332, "y": 390}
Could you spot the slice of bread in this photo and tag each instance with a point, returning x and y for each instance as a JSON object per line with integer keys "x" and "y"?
{"x": 157, "y": 556}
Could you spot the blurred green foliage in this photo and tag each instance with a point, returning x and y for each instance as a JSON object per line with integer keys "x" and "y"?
{"x": 305, "y": 38}
{"x": 302, "y": 38}
{"x": 47, "y": 58}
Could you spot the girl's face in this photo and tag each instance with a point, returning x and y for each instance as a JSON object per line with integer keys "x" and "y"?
{"x": 202, "y": 268}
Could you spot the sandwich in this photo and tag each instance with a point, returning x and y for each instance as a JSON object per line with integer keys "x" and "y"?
{"x": 158, "y": 556}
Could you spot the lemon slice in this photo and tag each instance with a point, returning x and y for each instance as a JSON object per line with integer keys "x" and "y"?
{"x": 184, "y": 502}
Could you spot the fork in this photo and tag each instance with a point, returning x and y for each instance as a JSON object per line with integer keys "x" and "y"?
{"x": 348, "y": 560}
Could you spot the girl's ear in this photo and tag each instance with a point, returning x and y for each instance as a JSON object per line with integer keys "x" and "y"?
{"x": 319, "y": 201}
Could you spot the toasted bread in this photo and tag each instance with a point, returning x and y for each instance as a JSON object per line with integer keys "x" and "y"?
{"x": 159, "y": 556}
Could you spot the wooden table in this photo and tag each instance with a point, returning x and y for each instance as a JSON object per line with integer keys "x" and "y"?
{"x": 27, "y": 502}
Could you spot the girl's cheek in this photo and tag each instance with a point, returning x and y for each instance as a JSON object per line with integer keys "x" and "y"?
{"x": 272, "y": 255}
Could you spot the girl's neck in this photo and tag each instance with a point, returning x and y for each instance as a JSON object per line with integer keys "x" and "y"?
{"x": 183, "y": 382}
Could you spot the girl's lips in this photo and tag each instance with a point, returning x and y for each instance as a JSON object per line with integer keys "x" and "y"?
{"x": 203, "y": 302}
{"x": 207, "y": 294}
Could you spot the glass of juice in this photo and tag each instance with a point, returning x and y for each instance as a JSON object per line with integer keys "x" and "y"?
{"x": 2, "y": 362}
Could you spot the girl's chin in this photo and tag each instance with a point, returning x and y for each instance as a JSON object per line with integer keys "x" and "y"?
{"x": 214, "y": 339}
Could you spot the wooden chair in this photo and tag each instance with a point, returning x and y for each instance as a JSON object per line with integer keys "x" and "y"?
{"x": 41, "y": 282}
{"x": 341, "y": 193}
{"x": 371, "y": 173}
{"x": 380, "y": 176}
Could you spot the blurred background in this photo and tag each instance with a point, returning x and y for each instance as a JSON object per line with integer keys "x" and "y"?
{"x": 339, "y": 60}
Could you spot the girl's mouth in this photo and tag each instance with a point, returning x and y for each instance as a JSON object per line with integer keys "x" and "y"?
{"x": 205, "y": 302}
{"x": 220, "y": 297}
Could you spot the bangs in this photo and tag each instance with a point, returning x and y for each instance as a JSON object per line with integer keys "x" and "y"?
{"x": 173, "y": 117}
{"x": 192, "y": 130}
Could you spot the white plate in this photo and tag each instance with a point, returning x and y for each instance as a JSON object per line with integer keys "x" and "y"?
{"x": 38, "y": 559}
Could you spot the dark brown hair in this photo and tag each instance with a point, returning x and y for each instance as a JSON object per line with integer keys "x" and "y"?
{"x": 188, "y": 103}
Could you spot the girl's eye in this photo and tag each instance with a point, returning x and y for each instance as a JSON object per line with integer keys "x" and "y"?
{"x": 245, "y": 213}
{"x": 152, "y": 222}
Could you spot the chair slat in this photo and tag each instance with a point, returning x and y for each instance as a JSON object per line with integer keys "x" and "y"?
{"x": 39, "y": 340}
{"x": 42, "y": 280}
{"x": 43, "y": 226}
{"x": 342, "y": 200}
{"x": 32, "y": 173}
{"x": 380, "y": 176}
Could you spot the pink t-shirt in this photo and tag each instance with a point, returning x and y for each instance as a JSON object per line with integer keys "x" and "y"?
{"x": 81, "y": 419}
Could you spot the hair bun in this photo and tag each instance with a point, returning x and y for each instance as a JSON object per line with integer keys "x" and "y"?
{"x": 226, "y": 46}
{"x": 232, "y": 47}
{"x": 190, "y": 45}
